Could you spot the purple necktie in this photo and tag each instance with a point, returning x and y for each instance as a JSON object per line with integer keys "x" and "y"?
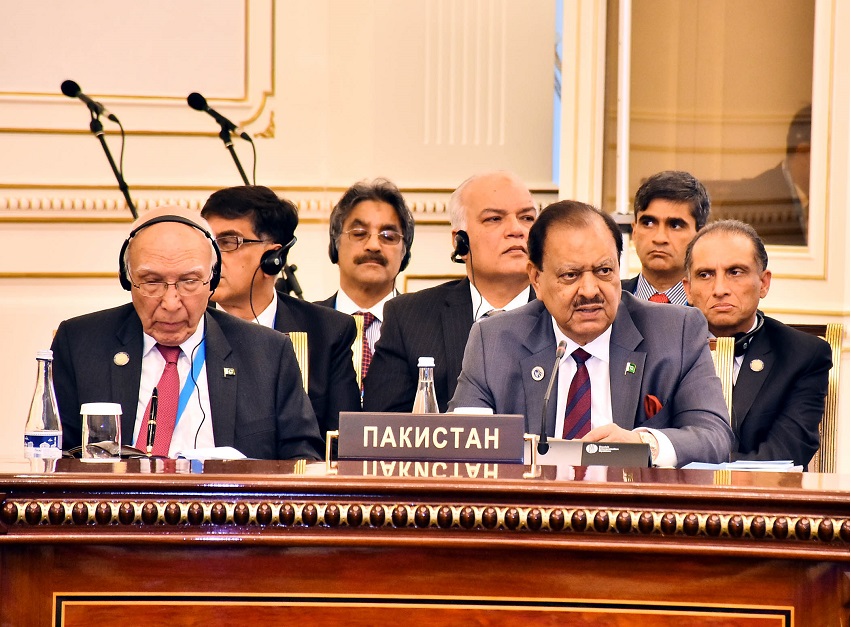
{"x": 577, "y": 413}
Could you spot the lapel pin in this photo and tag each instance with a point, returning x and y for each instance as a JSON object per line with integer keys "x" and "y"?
{"x": 537, "y": 373}
{"x": 630, "y": 368}
{"x": 757, "y": 365}
{"x": 121, "y": 359}
{"x": 229, "y": 372}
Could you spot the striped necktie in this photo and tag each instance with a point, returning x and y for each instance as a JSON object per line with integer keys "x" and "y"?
{"x": 366, "y": 352}
{"x": 168, "y": 390}
{"x": 577, "y": 412}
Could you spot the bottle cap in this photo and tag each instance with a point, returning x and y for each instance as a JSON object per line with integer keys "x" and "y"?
{"x": 44, "y": 354}
{"x": 100, "y": 409}
{"x": 425, "y": 362}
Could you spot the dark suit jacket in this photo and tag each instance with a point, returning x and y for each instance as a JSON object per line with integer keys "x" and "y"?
{"x": 434, "y": 322}
{"x": 667, "y": 346}
{"x": 331, "y": 302}
{"x": 777, "y": 410}
{"x": 765, "y": 202}
{"x": 262, "y": 411}
{"x": 332, "y": 386}
{"x": 630, "y": 285}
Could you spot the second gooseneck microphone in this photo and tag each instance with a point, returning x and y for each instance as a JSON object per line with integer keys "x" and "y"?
{"x": 199, "y": 103}
{"x": 543, "y": 447}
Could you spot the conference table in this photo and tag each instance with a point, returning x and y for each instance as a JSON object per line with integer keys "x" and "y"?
{"x": 174, "y": 542}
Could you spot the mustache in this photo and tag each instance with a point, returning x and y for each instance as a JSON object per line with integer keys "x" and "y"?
{"x": 582, "y": 302}
{"x": 371, "y": 257}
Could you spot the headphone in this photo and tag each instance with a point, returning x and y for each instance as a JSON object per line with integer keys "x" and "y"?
{"x": 124, "y": 276}
{"x": 272, "y": 261}
{"x": 462, "y": 246}
{"x": 743, "y": 340}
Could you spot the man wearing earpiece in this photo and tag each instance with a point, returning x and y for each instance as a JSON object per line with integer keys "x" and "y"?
{"x": 255, "y": 229}
{"x": 780, "y": 374}
{"x": 221, "y": 381}
{"x": 371, "y": 231}
{"x": 491, "y": 215}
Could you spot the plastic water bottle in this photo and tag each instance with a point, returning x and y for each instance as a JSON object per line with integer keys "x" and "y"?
{"x": 43, "y": 431}
{"x": 425, "y": 401}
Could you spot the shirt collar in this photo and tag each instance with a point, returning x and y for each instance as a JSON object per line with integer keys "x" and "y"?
{"x": 265, "y": 317}
{"x": 186, "y": 348}
{"x": 346, "y": 305}
{"x": 479, "y": 310}
{"x": 598, "y": 347}
{"x": 676, "y": 293}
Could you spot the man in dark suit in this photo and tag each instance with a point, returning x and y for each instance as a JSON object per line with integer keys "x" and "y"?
{"x": 371, "y": 231}
{"x": 255, "y": 229}
{"x": 491, "y": 215}
{"x": 221, "y": 381}
{"x": 632, "y": 371}
{"x": 670, "y": 207}
{"x": 780, "y": 374}
{"x": 775, "y": 202}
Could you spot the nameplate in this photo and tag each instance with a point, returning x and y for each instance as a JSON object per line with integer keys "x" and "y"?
{"x": 431, "y": 437}
{"x": 430, "y": 469}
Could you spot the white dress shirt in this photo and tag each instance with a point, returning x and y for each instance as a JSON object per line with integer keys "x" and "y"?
{"x": 265, "y": 317}
{"x": 348, "y": 306}
{"x": 481, "y": 307}
{"x": 601, "y": 392}
{"x": 187, "y": 434}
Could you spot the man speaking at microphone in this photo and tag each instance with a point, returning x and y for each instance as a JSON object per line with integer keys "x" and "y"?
{"x": 633, "y": 371}
{"x": 221, "y": 381}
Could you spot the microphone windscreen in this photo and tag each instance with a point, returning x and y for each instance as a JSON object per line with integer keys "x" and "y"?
{"x": 70, "y": 89}
{"x": 197, "y": 101}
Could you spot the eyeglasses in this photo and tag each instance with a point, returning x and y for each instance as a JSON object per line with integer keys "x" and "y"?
{"x": 158, "y": 289}
{"x": 388, "y": 236}
{"x": 229, "y": 243}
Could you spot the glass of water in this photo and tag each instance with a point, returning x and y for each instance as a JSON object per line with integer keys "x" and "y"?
{"x": 101, "y": 431}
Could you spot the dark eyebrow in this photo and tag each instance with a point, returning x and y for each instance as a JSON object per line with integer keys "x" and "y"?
{"x": 230, "y": 233}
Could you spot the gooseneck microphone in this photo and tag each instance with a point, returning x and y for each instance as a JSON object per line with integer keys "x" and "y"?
{"x": 199, "y": 103}
{"x": 543, "y": 447}
{"x": 72, "y": 90}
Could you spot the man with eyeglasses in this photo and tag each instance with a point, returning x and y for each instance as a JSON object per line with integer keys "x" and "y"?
{"x": 220, "y": 380}
{"x": 371, "y": 232}
{"x": 254, "y": 230}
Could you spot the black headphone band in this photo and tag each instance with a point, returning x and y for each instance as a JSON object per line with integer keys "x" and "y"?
{"x": 123, "y": 275}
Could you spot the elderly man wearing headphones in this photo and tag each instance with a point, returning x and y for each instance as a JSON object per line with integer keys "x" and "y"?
{"x": 221, "y": 381}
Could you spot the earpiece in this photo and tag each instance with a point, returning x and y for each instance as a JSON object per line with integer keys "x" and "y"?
{"x": 462, "y": 246}
{"x": 272, "y": 261}
{"x": 123, "y": 276}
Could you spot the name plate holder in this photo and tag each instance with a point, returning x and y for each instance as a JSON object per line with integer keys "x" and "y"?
{"x": 378, "y": 436}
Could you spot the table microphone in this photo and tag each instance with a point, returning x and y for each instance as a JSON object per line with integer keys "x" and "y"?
{"x": 152, "y": 422}
{"x": 543, "y": 447}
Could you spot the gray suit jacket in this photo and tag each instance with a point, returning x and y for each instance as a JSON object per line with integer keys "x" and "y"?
{"x": 667, "y": 345}
{"x": 261, "y": 411}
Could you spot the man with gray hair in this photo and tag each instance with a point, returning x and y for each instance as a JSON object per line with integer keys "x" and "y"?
{"x": 371, "y": 231}
{"x": 491, "y": 215}
{"x": 780, "y": 374}
{"x": 221, "y": 381}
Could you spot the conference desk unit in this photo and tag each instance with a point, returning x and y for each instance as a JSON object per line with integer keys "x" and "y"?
{"x": 250, "y": 542}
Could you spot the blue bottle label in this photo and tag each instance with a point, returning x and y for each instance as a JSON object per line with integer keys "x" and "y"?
{"x": 42, "y": 445}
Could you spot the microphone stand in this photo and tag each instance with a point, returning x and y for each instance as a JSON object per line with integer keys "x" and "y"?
{"x": 225, "y": 136}
{"x": 97, "y": 130}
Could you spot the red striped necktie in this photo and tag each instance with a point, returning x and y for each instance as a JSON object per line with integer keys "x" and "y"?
{"x": 366, "y": 352}
{"x": 168, "y": 390}
{"x": 577, "y": 412}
